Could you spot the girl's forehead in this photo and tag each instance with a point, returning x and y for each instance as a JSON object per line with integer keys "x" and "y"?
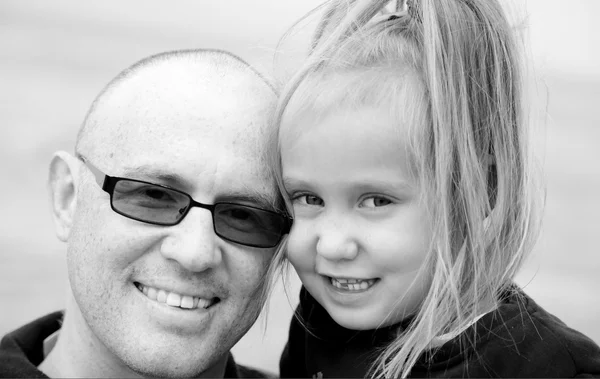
{"x": 366, "y": 124}
{"x": 399, "y": 89}
{"x": 349, "y": 149}
{"x": 353, "y": 105}
{"x": 401, "y": 100}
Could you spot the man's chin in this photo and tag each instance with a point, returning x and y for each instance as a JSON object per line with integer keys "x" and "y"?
{"x": 178, "y": 367}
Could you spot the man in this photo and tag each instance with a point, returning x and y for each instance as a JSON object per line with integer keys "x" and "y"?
{"x": 171, "y": 222}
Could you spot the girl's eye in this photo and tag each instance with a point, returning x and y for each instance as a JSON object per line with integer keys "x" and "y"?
{"x": 375, "y": 201}
{"x": 309, "y": 200}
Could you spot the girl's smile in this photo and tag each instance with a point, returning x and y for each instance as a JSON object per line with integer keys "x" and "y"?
{"x": 352, "y": 285}
{"x": 348, "y": 295}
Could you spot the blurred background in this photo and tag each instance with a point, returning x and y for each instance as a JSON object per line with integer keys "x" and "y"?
{"x": 56, "y": 56}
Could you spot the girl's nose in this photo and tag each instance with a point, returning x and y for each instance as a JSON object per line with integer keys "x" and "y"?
{"x": 335, "y": 243}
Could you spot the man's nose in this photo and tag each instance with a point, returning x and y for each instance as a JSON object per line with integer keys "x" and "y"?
{"x": 336, "y": 240}
{"x": 193, "y": 242}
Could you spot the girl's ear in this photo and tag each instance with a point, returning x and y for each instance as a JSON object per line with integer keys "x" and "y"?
{"x": 62, "y": 186}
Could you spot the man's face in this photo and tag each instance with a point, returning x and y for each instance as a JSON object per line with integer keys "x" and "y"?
{"x": 202, "y": 138}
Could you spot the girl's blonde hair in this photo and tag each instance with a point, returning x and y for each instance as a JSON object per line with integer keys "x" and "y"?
{"x": 470, "y": 153}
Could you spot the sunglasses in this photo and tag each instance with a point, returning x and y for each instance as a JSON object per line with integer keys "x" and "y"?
{"x": 161, "y": 205}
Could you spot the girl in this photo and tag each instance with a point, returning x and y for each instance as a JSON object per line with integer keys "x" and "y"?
{"x": 405, "y": 162}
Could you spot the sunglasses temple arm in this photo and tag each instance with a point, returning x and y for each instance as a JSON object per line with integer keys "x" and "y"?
{"x": 99, "y": 176}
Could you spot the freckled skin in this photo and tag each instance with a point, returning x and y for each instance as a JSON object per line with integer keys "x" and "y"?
{"x": 358, "y": 213}
{"x": 208, "y": 132}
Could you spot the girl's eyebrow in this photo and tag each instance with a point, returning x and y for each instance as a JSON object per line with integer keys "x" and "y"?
{"x": 294, "y": 183}
{"x": 374, "y": 184}
{"x": 362, "y": 184}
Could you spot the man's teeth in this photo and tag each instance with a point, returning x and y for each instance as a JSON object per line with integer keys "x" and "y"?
{"x": 352, "y": 284}
{"x": 174, "y": 299}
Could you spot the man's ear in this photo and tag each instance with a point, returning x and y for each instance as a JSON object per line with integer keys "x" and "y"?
{"x": 62, "y": 185}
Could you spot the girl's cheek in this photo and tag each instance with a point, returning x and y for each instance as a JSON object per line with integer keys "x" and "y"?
{"x": 300, "y": 246}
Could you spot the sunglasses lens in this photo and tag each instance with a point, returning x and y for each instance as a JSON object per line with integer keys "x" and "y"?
{"x": 248, "y": 226}
{"x": 149, "y": 203}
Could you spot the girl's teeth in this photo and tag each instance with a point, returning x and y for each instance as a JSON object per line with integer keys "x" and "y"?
{"x": 174, "y": 299}
{"x": 352, "y": 284}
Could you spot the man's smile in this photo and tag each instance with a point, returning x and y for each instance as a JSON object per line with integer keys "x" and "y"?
{"x": 174, "y": 299}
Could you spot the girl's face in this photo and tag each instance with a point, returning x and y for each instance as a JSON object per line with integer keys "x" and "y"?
{"x": 361, "y": 231}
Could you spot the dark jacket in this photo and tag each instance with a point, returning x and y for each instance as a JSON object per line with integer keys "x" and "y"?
{"x": 23, "y": 350}
{"x": 519, "y": 339}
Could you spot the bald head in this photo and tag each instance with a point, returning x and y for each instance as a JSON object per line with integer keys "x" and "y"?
{"x": 211, "y": 70}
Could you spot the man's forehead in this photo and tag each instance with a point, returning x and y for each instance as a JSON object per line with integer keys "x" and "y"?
{"x": 166, "y": 92}
{"x": 180, "y": 101}
{"x": 199, "y": 78}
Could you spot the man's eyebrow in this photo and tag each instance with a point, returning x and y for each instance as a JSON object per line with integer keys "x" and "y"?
{"x": 155, "y": 174}
{"x": 260, "y": 199}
